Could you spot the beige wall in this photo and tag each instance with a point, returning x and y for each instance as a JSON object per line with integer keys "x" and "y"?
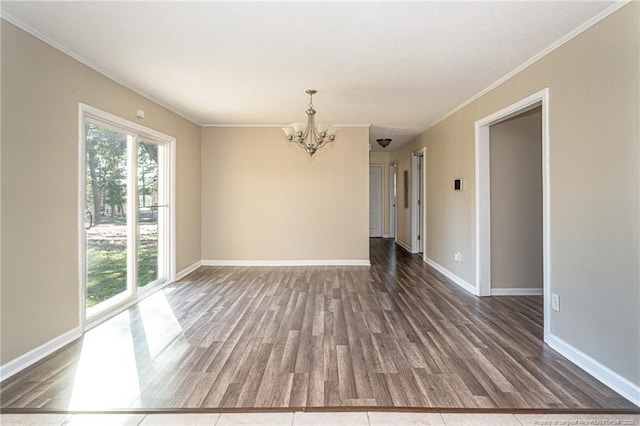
{"x": 264, "y": 199}
{"x": 382, "y": 159}
{"x": 594, "y": 181}
{"x": 41, "y": 89}
{"x": 516, "y": 202}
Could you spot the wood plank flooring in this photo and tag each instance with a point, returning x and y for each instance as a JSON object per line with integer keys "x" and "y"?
{"x": 396, "y": 334}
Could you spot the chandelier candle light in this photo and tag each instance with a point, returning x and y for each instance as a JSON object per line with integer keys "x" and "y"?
{"x": 311, "y": 138}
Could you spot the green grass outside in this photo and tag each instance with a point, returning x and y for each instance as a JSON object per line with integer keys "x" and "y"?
{"x": 107, "y": 268}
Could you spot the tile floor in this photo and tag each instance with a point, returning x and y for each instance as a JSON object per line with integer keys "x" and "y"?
{"x": 374, "y": 418}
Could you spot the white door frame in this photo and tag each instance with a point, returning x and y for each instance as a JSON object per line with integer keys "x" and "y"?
{"x": 381, "y": 167}
{"x": 483, "y": 196}
{"x": 393, "y": 201}
{"x": 416, "y": 244}
{"x": 89, "y": 113}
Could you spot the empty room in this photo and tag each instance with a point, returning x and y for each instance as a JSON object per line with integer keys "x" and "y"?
{"x": 358, "y": 213}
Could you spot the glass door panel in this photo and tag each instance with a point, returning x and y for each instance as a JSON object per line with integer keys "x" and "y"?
{"x": 106, "y": 222}
{"x": 151, "y": 204}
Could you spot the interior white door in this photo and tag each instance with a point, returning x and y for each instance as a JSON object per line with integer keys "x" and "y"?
{"x": 375, "y": 201}
{"x": 393, "y": 195}
{"x": 420, "y": 204}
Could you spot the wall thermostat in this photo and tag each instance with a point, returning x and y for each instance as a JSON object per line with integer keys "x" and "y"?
{"x": 457, "y": 184}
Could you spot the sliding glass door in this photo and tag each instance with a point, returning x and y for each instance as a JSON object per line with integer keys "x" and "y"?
{"x": 126, "y": 213}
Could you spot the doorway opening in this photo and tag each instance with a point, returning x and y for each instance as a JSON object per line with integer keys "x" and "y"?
{"x": 418, "y": 211}
{"x": 127, "y": 209}
{"x": 516, "y": 205}
{"x": 511, "y": 187}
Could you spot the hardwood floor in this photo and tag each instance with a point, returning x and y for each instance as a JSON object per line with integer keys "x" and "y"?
{"x": 396, "y": 334}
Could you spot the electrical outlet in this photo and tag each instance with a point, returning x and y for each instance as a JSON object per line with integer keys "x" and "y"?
{"x": 457, "y": 257}
{"x": 555, "y": 302}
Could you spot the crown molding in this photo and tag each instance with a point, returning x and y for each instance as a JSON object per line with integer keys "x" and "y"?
{"x": 558, "y": 43}
{"x": 28, "y": 29}
{"x": 280, "y": 125}
{"x": 555, "y": 45}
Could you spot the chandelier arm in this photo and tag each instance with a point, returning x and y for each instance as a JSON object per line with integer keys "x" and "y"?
{"x": 311, "y": 127}
{"x": 305, "y": 134}
{"x": 323, "y": 142}
{"x": 301, "y": 138}
{"x": 314, "y": 136}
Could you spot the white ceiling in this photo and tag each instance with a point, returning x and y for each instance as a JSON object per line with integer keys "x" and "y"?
{"x": 399, "y": 66}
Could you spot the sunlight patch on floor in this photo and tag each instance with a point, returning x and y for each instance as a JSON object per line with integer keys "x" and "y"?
{"x": 160, "y": 324}
{"x": 106, "y": 377}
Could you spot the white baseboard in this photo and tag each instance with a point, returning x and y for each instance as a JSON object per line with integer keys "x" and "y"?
{"x": 453, "y": 277}
{"x": 404, "y": 246}
{"x": 189, "y": 269}
{"x": 533, "y": 291}
{"x": 23, "y": 361}
{"x": 610, "y": 378}
{"x": 15, "y": 366}
{"x": 386, "y": 236}
{"x": 313, "y": 262}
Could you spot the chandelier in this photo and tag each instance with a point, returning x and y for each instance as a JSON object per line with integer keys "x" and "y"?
{"x": 310, "y": 137}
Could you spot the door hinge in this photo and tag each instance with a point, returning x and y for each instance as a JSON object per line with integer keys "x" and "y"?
{"x": 418, "y": 237}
